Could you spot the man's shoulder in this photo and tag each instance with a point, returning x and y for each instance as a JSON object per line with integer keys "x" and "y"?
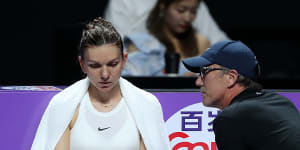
{"x": 264, "y": 103}
{"x": 242, "y": 109}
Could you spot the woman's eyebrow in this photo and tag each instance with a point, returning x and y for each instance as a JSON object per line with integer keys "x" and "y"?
{"x": 93, "y": 61}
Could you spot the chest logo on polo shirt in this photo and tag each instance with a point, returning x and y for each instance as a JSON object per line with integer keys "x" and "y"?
{"x": 258, "y": 93}
{"x": 102, "y": 129}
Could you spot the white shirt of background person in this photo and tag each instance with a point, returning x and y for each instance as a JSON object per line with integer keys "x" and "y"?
{"x": 129, "y": 16}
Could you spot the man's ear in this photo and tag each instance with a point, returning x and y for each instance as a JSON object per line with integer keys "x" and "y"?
{"x": 232, "y": 77}
{"x": 81, "y": 62}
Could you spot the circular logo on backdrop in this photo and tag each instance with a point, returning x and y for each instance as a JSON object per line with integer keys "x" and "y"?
{"x": 191, "y": 128}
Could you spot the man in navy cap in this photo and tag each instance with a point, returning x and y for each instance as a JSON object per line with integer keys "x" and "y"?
{"x": 251, "y": 118}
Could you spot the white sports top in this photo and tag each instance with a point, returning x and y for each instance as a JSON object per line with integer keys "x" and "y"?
{"x": 94, "y": 130}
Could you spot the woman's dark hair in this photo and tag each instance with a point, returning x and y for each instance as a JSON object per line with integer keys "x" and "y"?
{"x": 99, "y": 32}
{"x": 188, "y": 41}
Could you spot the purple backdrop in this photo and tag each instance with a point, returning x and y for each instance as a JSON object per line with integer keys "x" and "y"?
{"x": 21, "y": 111}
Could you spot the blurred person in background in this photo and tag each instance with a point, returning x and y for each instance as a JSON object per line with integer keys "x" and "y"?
{"x": 129, "y": 16}
{"x": 169, "y": 32}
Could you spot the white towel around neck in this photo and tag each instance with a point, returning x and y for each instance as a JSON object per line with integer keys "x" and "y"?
{"x": 144, "y": 107}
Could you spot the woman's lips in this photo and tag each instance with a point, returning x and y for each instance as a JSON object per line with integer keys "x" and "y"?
{"x": 105, "y": 84}
{"x": 184, "y": 26}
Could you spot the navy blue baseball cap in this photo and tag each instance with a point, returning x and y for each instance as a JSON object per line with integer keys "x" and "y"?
{"x": 229, "y": 54}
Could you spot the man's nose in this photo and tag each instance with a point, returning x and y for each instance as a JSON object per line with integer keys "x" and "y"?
{"x": 199, "y": 81}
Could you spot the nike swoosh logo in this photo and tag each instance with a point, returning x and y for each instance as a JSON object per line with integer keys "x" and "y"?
{"x": 102, "y": 129}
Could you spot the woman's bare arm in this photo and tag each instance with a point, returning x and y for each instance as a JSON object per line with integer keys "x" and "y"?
{"x": 64, "y": 141}
{"x": 203, "y": 43}
{"x": 142, "y": 145}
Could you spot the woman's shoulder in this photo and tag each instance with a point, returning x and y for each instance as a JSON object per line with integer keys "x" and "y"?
{"x": 148, "y": 97}
{"x": 202, "y": 39}
{"x": 203, "y": 42}
{"x": 71, "y": 95}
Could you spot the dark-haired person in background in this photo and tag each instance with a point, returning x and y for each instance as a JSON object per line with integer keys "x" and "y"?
{"x": 102, "y": 111}
{"x": 251, "y": 118}
{"x": 169, "y": 30}
{"x": 134, "y": 13}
